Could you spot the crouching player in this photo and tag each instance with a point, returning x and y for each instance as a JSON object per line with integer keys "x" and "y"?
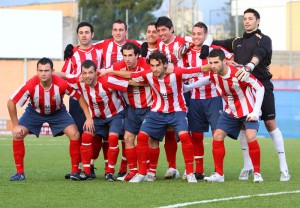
{"x": 46, "y": 93}
{"x": 242, "y": 109}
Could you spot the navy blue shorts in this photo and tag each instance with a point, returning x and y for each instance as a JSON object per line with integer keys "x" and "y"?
{"x": 77, "y": 113}
{"x": 113, "y": 124}
{"x": 57, "y": 121}
{"x": 204, "y": 112}
{"x": 155, "y": 124}
{"x": 134, "y": 118}
{"x": 232, "y": 125}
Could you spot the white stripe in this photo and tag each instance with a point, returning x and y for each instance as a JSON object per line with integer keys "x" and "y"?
{"x": 198, "y": 157}
{"x": 229, "y": 198}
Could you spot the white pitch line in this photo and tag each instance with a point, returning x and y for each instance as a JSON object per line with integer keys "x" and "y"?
{"x": 228, "y": 199}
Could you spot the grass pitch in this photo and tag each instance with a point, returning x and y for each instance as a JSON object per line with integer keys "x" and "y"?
{"x": 47, "y": 161}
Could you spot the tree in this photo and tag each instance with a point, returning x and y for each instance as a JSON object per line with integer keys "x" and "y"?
{"x": 230, "y": 21}
{"x": 102, "y": 13}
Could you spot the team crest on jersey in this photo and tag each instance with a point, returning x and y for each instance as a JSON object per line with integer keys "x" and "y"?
{"x": 55, "y": 97}
{"x": 235, "y": 86}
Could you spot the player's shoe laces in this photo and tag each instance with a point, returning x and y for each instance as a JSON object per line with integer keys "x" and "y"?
{"x": 75, "y": 176}
{"x": 244, "y": 175}
{"x": 121, "y": 174}
{"x": 172, "y": 173}
{"x": 84, "y": 176}
{"x": 138, "y": 178}
{"x": 191, "y": 178}
{"x": 214, "y": 177}
{"x": 257, "y": 178}
{"x": 285, "y": 176}
{"x": 93, "y": 174}
{"x": 17, "y": 177}
{"x": 110, "y": 177}
{"x": 126, "y": 177}
{"x": 150, "y": 177}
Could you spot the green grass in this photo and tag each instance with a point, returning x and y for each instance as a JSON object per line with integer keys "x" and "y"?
{"x": 47, "y": 161}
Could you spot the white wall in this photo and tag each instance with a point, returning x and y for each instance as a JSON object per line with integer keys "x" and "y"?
{"x": 31, "y": 34}
{"x": 272, "y": 18}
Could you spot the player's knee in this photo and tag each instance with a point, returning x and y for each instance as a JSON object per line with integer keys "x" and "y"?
{"x": 86, "y": 137}
{"x": 142, "y": 138}
{"x": 113, "y": 140}
{"x": 185, "y": 138}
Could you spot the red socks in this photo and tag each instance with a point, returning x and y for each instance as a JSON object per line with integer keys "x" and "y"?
{"x": 113, "y": 152}
{"x": 96, "y": 144}
{"x": 171, "y": 148}
{"x": 75, "y": 154}
{"x": 86, "y": 150}
{"x": 187, "y": 151}
{"x": 142, "y": 152}
{"x": 19, "y": 154}
{"x": 131, "y": 159}
{"x": 198, "y": 147}
{"x": 123, "y": 165}
{"x": 254, "y": 153}
{"x": 218, "y": 154}
{"x": 105, "y": 147}
{"x": 153, "y": 157}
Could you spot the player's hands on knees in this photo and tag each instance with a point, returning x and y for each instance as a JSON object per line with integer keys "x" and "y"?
{"x": 18, "y": 132}
{"x": 253, "y": 116}
{"x": 89, "y": 125}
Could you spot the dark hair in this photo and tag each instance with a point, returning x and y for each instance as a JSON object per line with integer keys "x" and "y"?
{"x": 87, "y": 64}
{"x": 44, "y": 61}
{"x": 217, "y": 53}
{"x": 119, "y": 21}
{"x": 83, "y": 24}
{"x": 151, "y": 23}
{"x": 158, "y": 56}
{"x": 250, "y": 10}
{"x": 164, "y": 21}
{"x": 129, "y": 46}
{"x": 201, "y": 25}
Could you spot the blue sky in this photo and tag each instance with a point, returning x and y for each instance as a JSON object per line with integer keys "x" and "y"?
{"x": 205, "y": 6}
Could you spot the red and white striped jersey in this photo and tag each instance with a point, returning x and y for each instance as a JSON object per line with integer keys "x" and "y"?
{"x": 167, "y": 93}
{"x": 103, "y": 102}
{"x": 112, "y": 51}
{"x": 73, "y": 65}
{"x": 171, "y": 49}
{"x": 44, "y": 101}
{"x": 191, "y": 59}
{"x": 240, "y": 95}
{"x": 136, "y": 97}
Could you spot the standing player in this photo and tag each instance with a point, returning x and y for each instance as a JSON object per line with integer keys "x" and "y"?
{"x": 138, "y": 100}
{"x": 72, "y": 67}
{"x": 151, "y": 44}
{"x": 205, "y": 102}
{"x": 46, "y": 93}
{"x": 107, "y": 109}
{"x": 242, "y": 109}
{"x": 254, "y": 50}
{"x": 111, "y": 54}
